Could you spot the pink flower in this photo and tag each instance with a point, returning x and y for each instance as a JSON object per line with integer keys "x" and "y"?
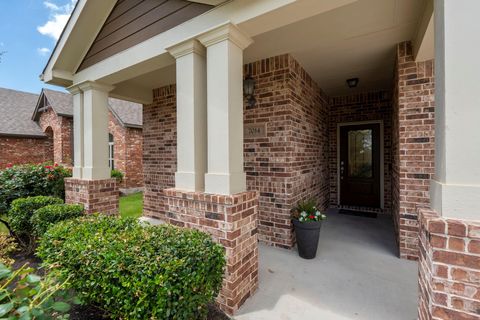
{"x": 9, "y": 165}
{"x": 312, "y": 217}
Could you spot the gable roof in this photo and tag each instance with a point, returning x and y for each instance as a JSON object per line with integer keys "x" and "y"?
{"x": 131, "y": 22}
{"x": 129, "y": 114}
{"x": 15, "y": 110}
{"x": 61, "y": 102}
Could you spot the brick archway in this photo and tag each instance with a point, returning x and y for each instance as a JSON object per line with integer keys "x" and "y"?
{"x": 49, "y": 145}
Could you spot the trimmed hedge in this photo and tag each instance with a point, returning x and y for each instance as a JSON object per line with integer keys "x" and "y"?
{"x": 22, "y": 210}
{"x": 45, "y": 217}
{"x": 135, "y": 271}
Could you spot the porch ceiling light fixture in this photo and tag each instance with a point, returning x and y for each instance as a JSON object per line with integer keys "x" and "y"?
{"x": 353, "y": 82}
{"x": 249, "y": 90}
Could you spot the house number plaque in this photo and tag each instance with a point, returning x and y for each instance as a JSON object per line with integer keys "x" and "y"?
{"x": 255, "y": 130}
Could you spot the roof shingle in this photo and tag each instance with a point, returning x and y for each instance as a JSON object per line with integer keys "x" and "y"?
{"x": 128, "y": 113}
{"x": 16, "y": 108}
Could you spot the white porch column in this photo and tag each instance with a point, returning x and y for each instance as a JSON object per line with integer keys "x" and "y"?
{"x": 456, "y": 188}
{"x": 95, "y": 131}
{"x": 191, "y": 115}
{"x": 225, "y": 46}
{"x": 77, "y": 131}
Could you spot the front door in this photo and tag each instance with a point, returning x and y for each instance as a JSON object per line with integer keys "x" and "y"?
{"x": 360, "y": 165}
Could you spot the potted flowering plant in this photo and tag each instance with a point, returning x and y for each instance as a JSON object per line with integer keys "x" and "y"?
{"x": 307, "y": 220}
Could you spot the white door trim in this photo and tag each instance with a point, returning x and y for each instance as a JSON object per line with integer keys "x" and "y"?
{"x": 382, "y": 158}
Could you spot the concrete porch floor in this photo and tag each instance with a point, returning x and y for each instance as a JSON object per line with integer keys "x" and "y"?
{"x": 356, "y": 275}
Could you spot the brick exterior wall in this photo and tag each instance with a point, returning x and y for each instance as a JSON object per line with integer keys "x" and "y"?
{"x": 15, "y": 150}
{"x": 128, "y": 148}
{"x": 159, "y": 148}
{"x": 290, "y": 163}
{"x": 287, "y": 165}
{"x": 232, "y": 221}
{"x": 62, "y": 128}
{"x": 368, "y": 106}
{"x": 449, "y": 268}
{"x": 96, "y": 195}
{"x": 413, "y": 144}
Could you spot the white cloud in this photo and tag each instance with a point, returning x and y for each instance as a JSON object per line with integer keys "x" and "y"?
{"x": 43, "y": 51}
{"x": 51, "y": 6}
{"x": 59, "y": 15}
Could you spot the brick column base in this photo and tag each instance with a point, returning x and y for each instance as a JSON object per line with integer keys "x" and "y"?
{"x": 95, "y": 195}
{"x": 449, "y": 267}
{"x": 232, "y": 221}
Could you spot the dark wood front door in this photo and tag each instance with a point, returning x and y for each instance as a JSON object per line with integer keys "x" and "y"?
{"x": 360, "y": 165}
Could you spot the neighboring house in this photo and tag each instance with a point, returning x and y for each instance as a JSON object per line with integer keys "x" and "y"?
{"x": 39, "y": 128}
{"x": 21, "y": 139}
{"x": 400, "y": 138}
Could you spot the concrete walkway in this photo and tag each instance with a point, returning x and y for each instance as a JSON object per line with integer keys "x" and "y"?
{"x": 356, "y": 275}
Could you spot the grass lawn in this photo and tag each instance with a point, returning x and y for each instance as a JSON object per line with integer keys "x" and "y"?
{"x": 131, "y": 205}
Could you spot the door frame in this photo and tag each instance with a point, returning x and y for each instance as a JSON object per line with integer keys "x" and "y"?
{"x": 382, "y": 160}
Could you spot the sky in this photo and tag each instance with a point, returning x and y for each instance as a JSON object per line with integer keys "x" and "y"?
{"x": 29, "y": 30}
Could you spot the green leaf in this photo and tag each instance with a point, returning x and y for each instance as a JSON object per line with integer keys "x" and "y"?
{"x": 25, "y": 316}
{"x": 37, "y": 312}
{"x": 5, "y": 308}
{"x": 33, "y": 278}
{"x": 61, "y": 306}
{"x": 4, "y": 273}
{"x": 77, "y": 300}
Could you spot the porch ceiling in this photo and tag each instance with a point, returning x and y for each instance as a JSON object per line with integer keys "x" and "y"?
{"x": 357, "y": 40}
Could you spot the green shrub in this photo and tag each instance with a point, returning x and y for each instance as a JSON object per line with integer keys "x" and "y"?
{"x": 135, "y": 271}
{"x": 117, "y": 175}
{"x": 44, "y": 217}
{"x": 21, "y": 212}
{"x": 25, "y": 295}
{"x": 31, "y": 180}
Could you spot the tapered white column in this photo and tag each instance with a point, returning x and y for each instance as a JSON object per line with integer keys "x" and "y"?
{"x": 95, "y": 131}
{"x": 456, "y": 187}
{"x": 225, "y": 46}
{"x": 191, "y": 115}
{"x": 77, "y": 131}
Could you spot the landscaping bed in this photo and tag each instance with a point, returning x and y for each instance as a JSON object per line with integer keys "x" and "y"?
{"x": 57, "y": 263}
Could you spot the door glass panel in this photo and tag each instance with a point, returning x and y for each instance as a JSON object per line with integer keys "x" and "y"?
{"x": 360, "y": 154}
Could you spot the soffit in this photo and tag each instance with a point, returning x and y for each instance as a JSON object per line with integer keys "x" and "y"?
{"x": 357, "y": 40}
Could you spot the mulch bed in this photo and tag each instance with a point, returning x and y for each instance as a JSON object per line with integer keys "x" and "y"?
{"x": 89, "y": 312}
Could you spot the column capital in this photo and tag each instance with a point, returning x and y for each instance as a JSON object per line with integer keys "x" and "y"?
{"x": 190, "y": 46}
{"x": 75, "y": 89}
{"x": 90, "y": 85}
{"x": 227, "y": 31}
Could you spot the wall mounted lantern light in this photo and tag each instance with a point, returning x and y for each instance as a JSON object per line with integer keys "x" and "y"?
{"x": 249, "y": 90}
{"x": 352, "y": 83}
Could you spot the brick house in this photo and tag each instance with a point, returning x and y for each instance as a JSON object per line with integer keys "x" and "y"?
{"x": 41, "y": 129}
{"x": 354, "y": 104}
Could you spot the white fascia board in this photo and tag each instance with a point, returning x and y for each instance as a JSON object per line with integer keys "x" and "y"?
{"x": 81, "y": 30}
{"x": 47, "y": 75}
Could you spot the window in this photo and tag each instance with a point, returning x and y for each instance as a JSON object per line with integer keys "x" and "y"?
{"x": 111, "y": 161}
{"x": 360, "y": 163}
